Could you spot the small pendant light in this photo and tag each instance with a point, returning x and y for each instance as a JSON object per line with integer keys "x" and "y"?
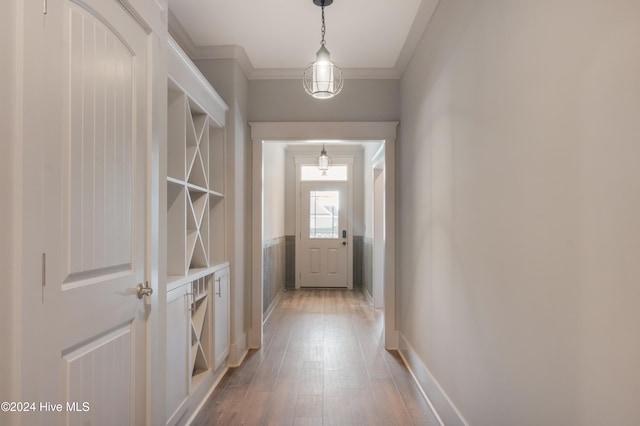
{"x": 323, "y": 78}
{"x": 323, "y": 161}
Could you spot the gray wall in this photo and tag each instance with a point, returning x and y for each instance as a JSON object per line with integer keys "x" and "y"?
{"x": 519, "y": 205}
{"x": 360, "y": 100}
{"x": 366, "y": 264}
{"x": 7, "y": 123}
{"x": 231, "y": 84}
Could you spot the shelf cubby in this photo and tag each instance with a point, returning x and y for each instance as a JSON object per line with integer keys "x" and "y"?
{"x": 217, "y": 234}
{"x": 176, "y": 132}
{"x": 176, "y": 229}
{"x": 201, "y": 316}
{"x": 195, "y": 187}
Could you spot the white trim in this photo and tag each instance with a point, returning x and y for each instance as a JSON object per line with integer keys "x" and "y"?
{"x": 349, "y": 73}
{"x": 420, "y": 23}
{"x": 367, "y": 131}
{"x": 439, "y": 402}
{"x": 231, "y": 51}
{"x": 367, "y": 296}
{"x": 273, "y": 305}
{"x": 377, "y": 161}
{"x": 204, "y": 400}
{"x": 423, "y": 17}
{"x": 184, "y": 74}
{"x": 378, "y": 212}
{"x": 240, "y": 360}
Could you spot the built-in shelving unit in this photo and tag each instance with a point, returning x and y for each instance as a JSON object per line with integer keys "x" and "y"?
{"x": 197, "y": 312}
{"x": 195, "y": 187}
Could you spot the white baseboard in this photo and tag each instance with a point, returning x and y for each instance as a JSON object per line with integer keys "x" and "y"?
{"x": 222, "y": 371}
{"x": 367, "y": 296}
{"x": 443, "y": 408}
{"x": 237, "y": 361}
{"x": 273, "y": 305}
{"x": 237, "y": 352}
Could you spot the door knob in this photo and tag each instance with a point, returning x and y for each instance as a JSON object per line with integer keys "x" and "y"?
{"x": 144, "y": 290}
{"x": 344, "y": 243}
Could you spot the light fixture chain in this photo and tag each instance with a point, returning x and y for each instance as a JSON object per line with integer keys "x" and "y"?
{"x": 323, "y": 78}
{"x": 323, "y": 26}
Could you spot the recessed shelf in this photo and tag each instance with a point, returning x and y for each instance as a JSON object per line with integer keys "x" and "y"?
{"x": 176, "y": 212}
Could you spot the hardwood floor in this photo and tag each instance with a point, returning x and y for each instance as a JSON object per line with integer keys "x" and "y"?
{"x": 322, "y": 363}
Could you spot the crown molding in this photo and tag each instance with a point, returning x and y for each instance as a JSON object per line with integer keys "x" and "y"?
{"x": 421, "y": 21}
{"x": 349, "y": 73}
{"x": 231, "y": 51}
{"x": 177, "y": 31}
{"x": 419, "y": 25}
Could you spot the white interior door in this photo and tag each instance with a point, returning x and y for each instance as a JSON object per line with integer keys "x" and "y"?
{"x": 324, "y": 235}
{"x": 85, "y": 351}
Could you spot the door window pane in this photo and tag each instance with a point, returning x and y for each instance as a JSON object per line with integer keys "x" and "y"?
{"x": 323, "y": 214}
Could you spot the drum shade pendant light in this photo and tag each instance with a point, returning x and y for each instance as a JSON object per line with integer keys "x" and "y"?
{"x": 323, "y": 161}
{"x": 323, "y": 78}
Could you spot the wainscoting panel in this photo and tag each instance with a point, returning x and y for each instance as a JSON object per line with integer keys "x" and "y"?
{"x": 290, "y": 262}
{"x": 358, "y": 277}
{"x": 367, "y": 267}
{"x": 274, "y": 271}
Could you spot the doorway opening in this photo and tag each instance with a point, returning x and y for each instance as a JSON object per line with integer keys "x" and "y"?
{"x": 373, "y": 135}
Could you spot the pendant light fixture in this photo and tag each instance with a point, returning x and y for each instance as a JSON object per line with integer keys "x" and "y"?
{"x": 323, "y": 78}
{"x": 323, "y": 161}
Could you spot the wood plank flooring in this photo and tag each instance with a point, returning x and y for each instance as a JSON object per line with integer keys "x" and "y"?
{"x": 322, "y": 363}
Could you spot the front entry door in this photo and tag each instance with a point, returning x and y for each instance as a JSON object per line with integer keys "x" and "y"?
{"x": 84, "y": 336}
{"x": 323, "y": 237}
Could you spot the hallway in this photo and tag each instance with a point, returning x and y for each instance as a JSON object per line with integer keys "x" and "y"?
{"x": 322, "y": 363}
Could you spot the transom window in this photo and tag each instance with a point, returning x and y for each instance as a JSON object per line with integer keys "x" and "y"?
{"x": 337, "y": 172}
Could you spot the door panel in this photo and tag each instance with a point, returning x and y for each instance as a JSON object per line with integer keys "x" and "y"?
{"x": 324, "y": 246}
{"x": 100, "y": 148}
{"x": 93, "y": 384}
{"x": 87, "y": 348}
{"x": 333, "y": 265}
{"x": 314, "y": 261}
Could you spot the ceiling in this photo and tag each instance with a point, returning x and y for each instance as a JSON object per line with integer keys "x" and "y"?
{"x": 278, "y": 38}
